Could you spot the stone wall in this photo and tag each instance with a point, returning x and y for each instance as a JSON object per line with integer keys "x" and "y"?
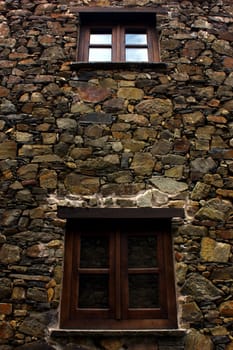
{"x": 131, "y": 137}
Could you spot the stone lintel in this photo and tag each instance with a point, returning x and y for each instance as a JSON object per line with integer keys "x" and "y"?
{"x": 54, "y": 332}
{"x": 119, "y": 213}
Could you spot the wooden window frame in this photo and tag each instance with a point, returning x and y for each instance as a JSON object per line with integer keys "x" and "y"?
{"x": 118, "y": 21}
{"x": 119, "y": 316}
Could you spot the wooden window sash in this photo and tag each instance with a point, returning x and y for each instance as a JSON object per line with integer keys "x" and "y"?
{"x": 118, "y": 41}
{"x": 119, "y": 313}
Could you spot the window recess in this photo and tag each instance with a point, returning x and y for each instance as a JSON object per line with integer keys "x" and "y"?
{"x": 118, "y": 272}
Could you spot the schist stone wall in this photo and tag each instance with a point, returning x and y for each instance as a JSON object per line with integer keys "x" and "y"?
{"x": 120, "y": 137}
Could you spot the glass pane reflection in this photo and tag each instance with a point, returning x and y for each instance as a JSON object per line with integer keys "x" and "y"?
{"x": 100, "y": 55}
{"x": 136, "y": 55}
{"x": 135, "y": 39}
{"x": 101, "y": 39}
{"x": 93, "y": 291}
{"x": 143, "y": 291}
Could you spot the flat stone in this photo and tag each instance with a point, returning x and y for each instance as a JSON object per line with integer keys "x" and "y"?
{"x": 210, "y": 214}
{"x": 133, "y": 118}
{"x": 200, "y": 288}
{"x": 8, "y": 149}
{"x": 9, "y": 254}
{"x": 161, "y": 147}
{"x": 181, "y": 271}
{"x": 48, "y": 179}
{"x": 192, "y": 230}
{"x": 5, "y": 287}
{"x": 155, "y": 106}
{"x": 130, "y": 93}
{"x": 191, "y": 312}
{"x": 223, "y": 47}
{"x": 195, "y": 118}
{"x": 96, "y": 118}
{"x": 37, "y": 294}
{"x": 168, "y": 185}
{"x": 200, "y": 191}
{"x": 226, "y": 309}
{"x": 95, "y": 94}
{"x": 6, "y": 331}
{"x": 196, "y": 341}
{"x": 78, "y": 184}
{"x": 222, "y": 274}
{"x": 18, "y": 293}
{"x": 192, "y": 49}
{"x": 5, "y": 308}
{"x": 53, "y": 53}
{"x": 28, "y": 171}
{"x": 142, "y": 163}
{"x": 31, "y": 326}
{"x": 66, "y": 123}
{"x": 214, "y": 251}
{"x": 201, "y": 166}
{"x": 114, "y": 105}
{"x": 38, "y": 345}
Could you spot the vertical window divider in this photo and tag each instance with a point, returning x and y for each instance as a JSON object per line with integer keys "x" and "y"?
{"x": 118, "y": 275}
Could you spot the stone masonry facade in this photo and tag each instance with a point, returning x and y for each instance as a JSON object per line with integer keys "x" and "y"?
{"x": 120, "y": 137}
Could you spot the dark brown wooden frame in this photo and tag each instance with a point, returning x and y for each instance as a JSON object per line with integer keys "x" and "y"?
{"x": 118, "y": 316}
{"x": 118, "y": 21}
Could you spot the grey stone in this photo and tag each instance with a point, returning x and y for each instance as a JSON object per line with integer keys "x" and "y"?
{"x": 9, "y": 254}
{"x": 168, "y": 185}
{"x": 201, "y": 166}
{"x": 201, "y": 289}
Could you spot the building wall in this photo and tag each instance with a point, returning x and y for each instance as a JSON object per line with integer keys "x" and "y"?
{"x": 115, "y": 138}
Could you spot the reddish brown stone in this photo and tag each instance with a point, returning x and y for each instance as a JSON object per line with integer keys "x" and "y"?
{"x": 192, "y": 49}
{"x": 5, "y": 309}
{"x": 4, "y": 92}
{"x": 6, "y": 330}
{"x": 228, "y": 62}
{"x": 217, "y": 119}
{"x": 226, "y": 309}
{"x": 93, "y": 93}
{"x": 225, "y": 234}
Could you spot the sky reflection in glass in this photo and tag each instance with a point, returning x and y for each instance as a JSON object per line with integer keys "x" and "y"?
{"x": 101, "y": 39}
{"x": 100, "y": 55}
{"x": 136, "y": 55}
{"x": 136, "y": 39}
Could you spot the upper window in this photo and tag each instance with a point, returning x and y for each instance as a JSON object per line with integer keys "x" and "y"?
{"x": 118, "y": 274}
{"x": 118, "y": 37}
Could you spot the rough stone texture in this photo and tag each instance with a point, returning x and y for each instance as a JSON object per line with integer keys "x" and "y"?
{"x": 134, "y": 137}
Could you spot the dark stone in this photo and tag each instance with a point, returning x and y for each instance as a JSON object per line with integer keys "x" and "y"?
{"x": 223, "y": 273}
{"x": 5, "y": 288}
{"x": 201, "y": 289}
{"x": 96, "y": 118}
{"x": 36, "y": 346}
{"x": 221, "y": 339}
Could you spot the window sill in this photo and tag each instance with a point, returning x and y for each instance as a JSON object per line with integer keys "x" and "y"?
{"x": 133, "y": 332}
{"x": 155, "y": 66}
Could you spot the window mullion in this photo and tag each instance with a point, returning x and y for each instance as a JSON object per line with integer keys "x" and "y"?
{"x": 118, "y": 44}
{"x": 118, "y": 288}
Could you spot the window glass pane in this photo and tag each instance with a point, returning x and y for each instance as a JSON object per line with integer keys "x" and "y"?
{"x": 136, "y": 55}
{"x": 100, "y": 39}
{"x": 135, "y": 39}
{"x": 100, "y": 55}
{"x": 94, "y": 252}
{"x": 142, "y": 251}
{"x": 143, "y": 291}
{"x": 93, "y": 291}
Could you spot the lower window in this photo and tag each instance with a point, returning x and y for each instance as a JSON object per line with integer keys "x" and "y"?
{"x": 118, "y": 274}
